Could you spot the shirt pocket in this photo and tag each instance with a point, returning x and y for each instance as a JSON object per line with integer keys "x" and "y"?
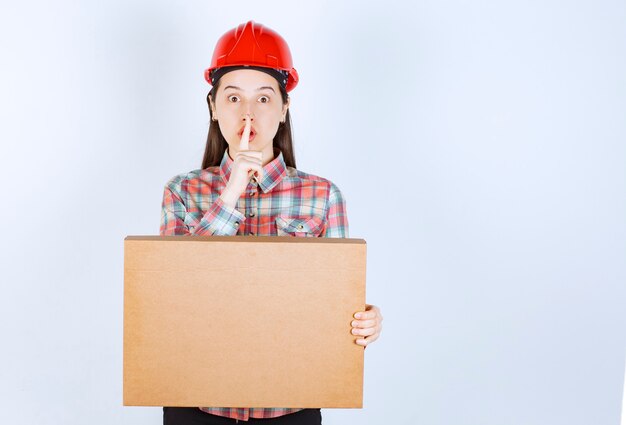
{"x": 307, "y": 227}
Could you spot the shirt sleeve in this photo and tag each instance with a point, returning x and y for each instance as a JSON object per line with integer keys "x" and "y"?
{"x": 218, "y": 220}
{"x": 336, "y": 217}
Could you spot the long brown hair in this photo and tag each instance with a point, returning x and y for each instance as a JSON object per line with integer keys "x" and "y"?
{"x": 216, "y": 143}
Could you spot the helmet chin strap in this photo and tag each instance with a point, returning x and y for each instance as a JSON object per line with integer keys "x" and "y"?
{"x": 281, "y": 76}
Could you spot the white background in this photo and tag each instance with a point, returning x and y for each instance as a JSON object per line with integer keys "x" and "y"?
{"x": 480, "y": 146}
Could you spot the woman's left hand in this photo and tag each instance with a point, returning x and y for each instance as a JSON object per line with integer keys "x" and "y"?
{"x": 368, "y": 324}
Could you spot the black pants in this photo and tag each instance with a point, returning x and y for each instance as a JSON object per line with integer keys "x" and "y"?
{"x": 195, "y": 416}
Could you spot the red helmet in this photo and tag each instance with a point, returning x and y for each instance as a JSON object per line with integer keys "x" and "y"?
{"x": 255, "y": 45}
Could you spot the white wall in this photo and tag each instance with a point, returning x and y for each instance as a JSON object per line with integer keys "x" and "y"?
{"x": 480, "y": 146}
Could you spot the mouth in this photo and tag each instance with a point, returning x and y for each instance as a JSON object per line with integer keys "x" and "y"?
{"x": 252, "y": 133}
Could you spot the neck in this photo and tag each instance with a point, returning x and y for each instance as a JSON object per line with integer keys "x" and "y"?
{"x": 268, "y": 156}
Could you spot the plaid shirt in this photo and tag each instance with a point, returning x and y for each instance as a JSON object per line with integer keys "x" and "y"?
{"x": 285, "y": 202}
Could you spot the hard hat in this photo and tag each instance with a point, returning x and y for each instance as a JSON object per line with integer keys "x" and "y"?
{"x": 253, "y": 45}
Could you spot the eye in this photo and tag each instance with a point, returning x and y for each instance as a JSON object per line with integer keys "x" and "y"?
{"x": 230, "y": 98}
{"x": 264, "y": 99}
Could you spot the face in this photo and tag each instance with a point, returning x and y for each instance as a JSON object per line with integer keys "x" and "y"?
{"x": 247, "y": 91}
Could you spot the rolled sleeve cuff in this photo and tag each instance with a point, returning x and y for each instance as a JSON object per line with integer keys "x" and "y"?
{"x": 219, "y": 220}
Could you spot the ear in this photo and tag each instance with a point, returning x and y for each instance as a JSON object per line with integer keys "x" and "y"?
{"x": 285, "y": 107}
{"x": 212, "y": 106}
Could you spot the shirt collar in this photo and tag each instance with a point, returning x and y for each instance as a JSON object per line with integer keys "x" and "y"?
{"x": 273, "y": 171}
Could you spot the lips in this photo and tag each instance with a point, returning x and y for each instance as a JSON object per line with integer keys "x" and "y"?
{"x": 252, "y": 132}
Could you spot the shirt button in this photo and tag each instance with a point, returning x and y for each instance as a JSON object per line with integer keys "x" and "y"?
{"x": 301, "y": 227}
{"x": 252, "y": 233}
{"x": 251, "y": 215}
{"x": 236, "y": 223}
{"x": 252, "y": 193}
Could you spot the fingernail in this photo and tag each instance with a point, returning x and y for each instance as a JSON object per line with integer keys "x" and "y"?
{"x": 358, "y": 315}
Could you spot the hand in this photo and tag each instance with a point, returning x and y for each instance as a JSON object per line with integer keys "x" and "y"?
{"x": 246, "y": 163}
{"x": 369, "y": 324}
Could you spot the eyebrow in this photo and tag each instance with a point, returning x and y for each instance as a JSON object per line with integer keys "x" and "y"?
{"x": 259, "y": 89}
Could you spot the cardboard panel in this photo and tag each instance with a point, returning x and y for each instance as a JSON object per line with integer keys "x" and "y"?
{"x": 242, "y": 321}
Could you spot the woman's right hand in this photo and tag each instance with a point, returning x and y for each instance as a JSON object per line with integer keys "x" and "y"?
{"x": 246, "y": 163}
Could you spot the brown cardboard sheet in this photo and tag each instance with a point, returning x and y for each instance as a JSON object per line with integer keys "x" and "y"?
{"x": 242, "y": 321}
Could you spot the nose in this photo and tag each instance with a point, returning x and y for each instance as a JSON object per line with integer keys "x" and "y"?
{"x": 247, "y": 108}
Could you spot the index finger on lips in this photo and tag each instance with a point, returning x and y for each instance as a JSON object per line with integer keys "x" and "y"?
{"x": 245, "y": 137}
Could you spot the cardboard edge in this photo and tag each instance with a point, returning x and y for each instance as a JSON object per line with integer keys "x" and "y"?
{"x": 269, "y": 239}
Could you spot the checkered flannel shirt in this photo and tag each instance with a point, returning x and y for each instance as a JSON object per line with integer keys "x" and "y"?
{"x": 284, "y": 202}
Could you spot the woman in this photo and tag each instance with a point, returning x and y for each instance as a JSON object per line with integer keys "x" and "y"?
{"x": 248, "y": 184}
